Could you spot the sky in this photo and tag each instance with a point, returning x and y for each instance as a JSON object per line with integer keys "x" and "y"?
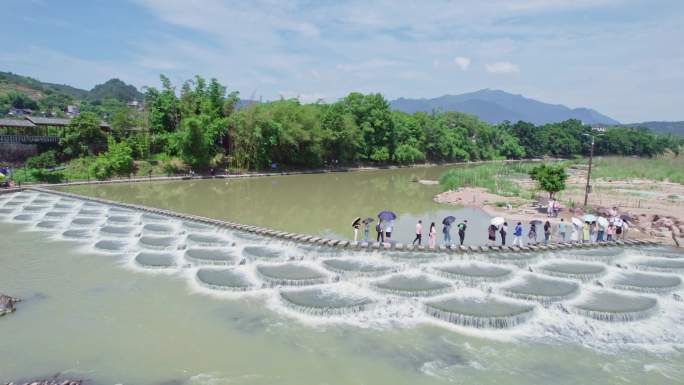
{"x": 623, "y": 58}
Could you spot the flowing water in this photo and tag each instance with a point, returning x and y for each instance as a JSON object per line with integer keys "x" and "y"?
{"x": 118, "y": 296}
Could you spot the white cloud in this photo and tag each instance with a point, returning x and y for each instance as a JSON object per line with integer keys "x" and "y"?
{"x": 462, "y": 62}
{"x": 502, "y": 67}
{"x": 311, "y": 97}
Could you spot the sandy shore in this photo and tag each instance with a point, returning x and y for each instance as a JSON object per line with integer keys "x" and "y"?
{"x": 655, "y": 219}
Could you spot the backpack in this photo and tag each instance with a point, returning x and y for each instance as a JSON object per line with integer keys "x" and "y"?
{"x": 378, "y": 228}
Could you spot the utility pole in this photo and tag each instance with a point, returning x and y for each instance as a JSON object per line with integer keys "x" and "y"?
{"x": 591, "y": 158}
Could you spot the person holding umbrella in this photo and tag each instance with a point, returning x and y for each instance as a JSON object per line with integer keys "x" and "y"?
{"x": 532, "y": 234}
{"x": 447, "y": 229}
{"x": 462, "y": 230}
{"x": 419, "y": 233}
{"x": 366, "y": 225}
{"x": 503, "y": 230}
{"x": 547, "y": 232}
{"x": 384, "y": 217}
{"x": 356, "y": 225}
{"x": 602, "y": 224}
{"x": 380, "y": 229}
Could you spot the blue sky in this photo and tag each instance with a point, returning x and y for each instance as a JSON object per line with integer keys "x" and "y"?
{"x": 621, "y": 57}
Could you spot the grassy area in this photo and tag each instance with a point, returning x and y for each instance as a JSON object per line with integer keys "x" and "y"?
{"x": 661, "y": 168}
{"x": 497, "y": 178}
{"x": 77, "y": 169}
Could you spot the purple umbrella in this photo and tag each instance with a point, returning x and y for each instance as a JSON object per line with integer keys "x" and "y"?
{"x": 448, "y": 220}
{"x": 386, "y": 216}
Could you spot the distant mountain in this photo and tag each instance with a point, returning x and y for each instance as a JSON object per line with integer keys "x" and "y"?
{"x": 115, "y": 89}
{"x": 676, "y": 128}
{"x": 37, "y": 90}
{"x": 495, "y": 106}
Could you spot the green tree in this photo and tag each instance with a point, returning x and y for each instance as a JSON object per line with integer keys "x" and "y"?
{"x": 83, "y": 136}
{"x": 194, "y": 145}
{"x": 549, "y": 178}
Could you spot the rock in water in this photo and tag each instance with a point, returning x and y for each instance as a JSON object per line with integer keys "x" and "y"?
{"x": 7, "y": 304}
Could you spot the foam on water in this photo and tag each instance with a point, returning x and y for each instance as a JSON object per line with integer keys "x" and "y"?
{"x": 119, "y": 231}
{"x": 646, "y": 282}
{"x": 518, "y": 259}
{"x": 158, "y": 228}
{"x": 85, "y": 222}
{"x": 489, "y": 312}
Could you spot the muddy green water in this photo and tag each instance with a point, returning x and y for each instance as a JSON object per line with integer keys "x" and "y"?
{"x": 85, "y": 315}
{"x": 320, "y": 204}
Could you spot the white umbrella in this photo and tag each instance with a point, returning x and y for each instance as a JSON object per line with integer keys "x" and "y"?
{"x": 603, "y": 222}
{"x": 577, "y": 222}
{"x": 497, "y": 221}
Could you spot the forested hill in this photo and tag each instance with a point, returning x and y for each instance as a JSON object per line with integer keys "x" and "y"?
{"x": 495, "y": 106}
{"x": 675, "y": 128}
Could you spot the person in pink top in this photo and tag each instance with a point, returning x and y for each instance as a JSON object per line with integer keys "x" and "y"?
{"x": 419, "y": 233}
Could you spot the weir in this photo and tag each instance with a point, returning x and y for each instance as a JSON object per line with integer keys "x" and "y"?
{"x": 328, "y": 302}
{"x": 647, "y": 282}
{"x": 220, "y": 255}
{"x": 488, "y": 312}
{"x": 610, "y": 306}
{"x": 412, "y": 285}
{"x": 541, "y": 289}
{"x": 474, "y": 273}
{"x": 583, "y": 271}
{"x": 224, "y": 279}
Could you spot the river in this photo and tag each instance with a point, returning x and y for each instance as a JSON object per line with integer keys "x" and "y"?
{"x": 116, "y": 296}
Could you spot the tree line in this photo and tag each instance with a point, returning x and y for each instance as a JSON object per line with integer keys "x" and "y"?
{"x": 202, "y": 124}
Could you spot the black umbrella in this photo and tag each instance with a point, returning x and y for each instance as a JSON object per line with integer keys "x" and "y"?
{"x": 536, "y": 222}
{"x": 387, "y": 216}
{"x": 448, "y": 220}
{"x": 356, "y": 221}
{"x": 368, "y": 220}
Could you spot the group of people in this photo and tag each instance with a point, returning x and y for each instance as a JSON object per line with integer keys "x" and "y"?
{"x": 446, "y": 232}
{"x": 615, "y": 229}
{"x": 589, "y": 231}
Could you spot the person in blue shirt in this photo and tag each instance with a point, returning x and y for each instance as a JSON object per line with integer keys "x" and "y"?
{"x": 517, "y": 235}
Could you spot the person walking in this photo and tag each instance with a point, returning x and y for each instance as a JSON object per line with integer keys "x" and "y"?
{"x": 549, "y": 208}
{"x": 562, "y": 230}
{"x": 610, "y": 232}
{"x": 502, "y": 231}
{"x": 618, "y": 228}
{"x": 379, "y": 228}
{"x": 517, "y": 235}
{"x": 575, "y": 236}
{"x": 388, "y": 231}
{"x": 586, "y": 237}
{"x": 356, "y": 226}
{"x": 431, "y": 236}
{"x": 556, "y": 208}
{"x": 491, "y": 235}
{"x": 547, "y": 232}
{"x": 446, "y": 230}
{"x": 600, "y": 235}
{"x": 592, "y": 232}
{"x": 532, "y": 234}
{"x": 462, "y": 230}
{"x": 419, "y": 233}
{"x": 366, "y": 226}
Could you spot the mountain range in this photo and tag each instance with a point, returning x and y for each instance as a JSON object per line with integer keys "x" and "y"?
{"x": 496, "y": 106}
